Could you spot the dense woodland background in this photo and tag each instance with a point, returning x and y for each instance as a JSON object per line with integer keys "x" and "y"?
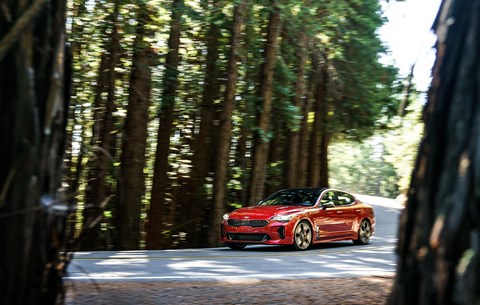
{"x": 182, "y": 110}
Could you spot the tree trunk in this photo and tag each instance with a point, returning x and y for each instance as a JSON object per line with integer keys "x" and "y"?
{"x": 103, "y": 145}
{"x": 196, "y": 201}
{"x": 157, "y": 211}
{"x": 225, "y": 128}
{"x": 131, "y": 184}
{"x": 439, "y": 239}
{"x": 293, "y": 146}
{"x": 241, "y": 161}
{"x": 73, "y": 165}
{"x": 324, "y": 141}
{"x": 304, "y": 142}
{"x": 319, "y": 122}
{"x": 260, "y": 155}
{"x": 275, "y": 182}
{"x": 33, "y": 104}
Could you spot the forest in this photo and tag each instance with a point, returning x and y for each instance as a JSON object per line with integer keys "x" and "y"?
{"x": 183, "y": 110}
{"x": 136, "y": 125}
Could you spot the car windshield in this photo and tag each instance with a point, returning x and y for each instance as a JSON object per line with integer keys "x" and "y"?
{"x": 293, "y": 197}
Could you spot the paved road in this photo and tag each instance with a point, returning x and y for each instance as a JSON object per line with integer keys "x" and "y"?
{"x": 341, "y": 259}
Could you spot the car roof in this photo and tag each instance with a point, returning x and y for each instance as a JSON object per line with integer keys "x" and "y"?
{"x": 320, "y": 189}
{"x": 304, "y": 189}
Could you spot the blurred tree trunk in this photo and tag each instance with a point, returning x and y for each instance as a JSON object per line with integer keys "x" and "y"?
{"x": 304, "y": 141}
{"x": 157, "y": 212}
{"x": 439, "y": 239}
{"x": 103, "y": 141}
{"x": 261, "y": 142}
{"x": 34, "y": 91}
{"x": 225, "y": 128}
{"x": 72, "y": 166}
{"x": 293, "y": 147}
{"x": 197, "y": 203}
{"x": 274, "y": 180}
{"x": 319, "y": 122}
{"x": 241, "y": 160}
{"x": 131, "y": 180}
{"x": 324, "y": 141}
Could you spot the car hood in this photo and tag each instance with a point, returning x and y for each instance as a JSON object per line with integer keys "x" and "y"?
{"x": 264, "y": 212}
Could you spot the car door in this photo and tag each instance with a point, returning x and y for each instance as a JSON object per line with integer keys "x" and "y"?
{"x": 346, "y": 212}
{"x": 327, "y": 223}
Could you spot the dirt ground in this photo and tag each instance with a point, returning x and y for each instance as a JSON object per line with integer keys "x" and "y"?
{"x": 332, "y": 291}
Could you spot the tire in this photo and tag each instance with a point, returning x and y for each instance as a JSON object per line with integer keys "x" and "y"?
{"x": 364, "y": 233}
{"x": 236, "y": 246}
{"x": 302, "y": 236}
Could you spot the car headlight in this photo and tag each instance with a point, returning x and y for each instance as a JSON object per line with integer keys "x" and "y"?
{"x": 225, "y": 216}
{"x": 282, "y": 218}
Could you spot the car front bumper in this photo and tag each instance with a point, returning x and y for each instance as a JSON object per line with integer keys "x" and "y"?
{"x": 274, "y": 233}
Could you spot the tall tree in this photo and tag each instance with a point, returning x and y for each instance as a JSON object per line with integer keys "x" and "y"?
{"x": 33, "y": 103}
{"x": 131, "y": 180}
{"x": 294, "y": 148}
{"x": 196, "y": 204}
{"x": 304, "y": 142}
{"x": 77, "y": 40}
{"x": 160, "y": 176}
{"x": 320, "y": 101}
{"x": 439, "y": 239}
{"x": 103, "y": 138}
{"x": 261, "y": 145}
{"x": 224, "y": 135}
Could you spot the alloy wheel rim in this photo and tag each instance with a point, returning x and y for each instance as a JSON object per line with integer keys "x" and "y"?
{"x": 303, "y": 236}
{"x": 365, "y": 231}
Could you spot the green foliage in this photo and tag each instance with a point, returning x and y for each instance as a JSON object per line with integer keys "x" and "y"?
{"x": 382, "y": 165}
{"x": 402, "y": 143}
{"x": 362, "y": 168}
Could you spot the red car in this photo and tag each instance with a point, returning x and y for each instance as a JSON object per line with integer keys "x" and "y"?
{"x": 300, "y": 217}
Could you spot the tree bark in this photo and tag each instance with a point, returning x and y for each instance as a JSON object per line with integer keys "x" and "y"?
{"x": 261, "y": 145}
{"x": 34, "y": 75}
{"x": 439, "y": 238}
{"x": 157, "y": 210}
{"x": 131, "y": 181}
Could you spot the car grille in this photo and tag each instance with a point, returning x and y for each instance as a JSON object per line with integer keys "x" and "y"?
{"x": 247, "y": 223}
{"x": 247, "y": 237}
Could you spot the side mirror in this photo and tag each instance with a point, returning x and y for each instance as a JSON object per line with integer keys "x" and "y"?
{"x": 328, "y": 205}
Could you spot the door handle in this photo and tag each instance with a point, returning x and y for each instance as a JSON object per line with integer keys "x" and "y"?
{"x": 339, "y": 212}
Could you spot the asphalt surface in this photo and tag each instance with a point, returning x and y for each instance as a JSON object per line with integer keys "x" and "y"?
{"x": 330, "y": 260}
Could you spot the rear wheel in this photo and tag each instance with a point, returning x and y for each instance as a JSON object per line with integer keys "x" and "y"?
{"x": 236, "y": 246}
{"x": 302, "y": 238}
{"x": 364, "y": 233}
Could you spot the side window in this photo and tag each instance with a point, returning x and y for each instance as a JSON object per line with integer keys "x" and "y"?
{"x": 344, "y": 198}
{"x": 329, "y": 196}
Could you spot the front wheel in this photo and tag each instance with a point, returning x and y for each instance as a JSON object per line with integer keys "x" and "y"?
{"x": 364, "y": 233}
{"x": 302, "y": 238}
{"x": 236, "y": 246}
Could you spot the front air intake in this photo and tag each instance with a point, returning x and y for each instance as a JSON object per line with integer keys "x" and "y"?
{"x": 281, "y": 232}
{"x": 247, "y": 237}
